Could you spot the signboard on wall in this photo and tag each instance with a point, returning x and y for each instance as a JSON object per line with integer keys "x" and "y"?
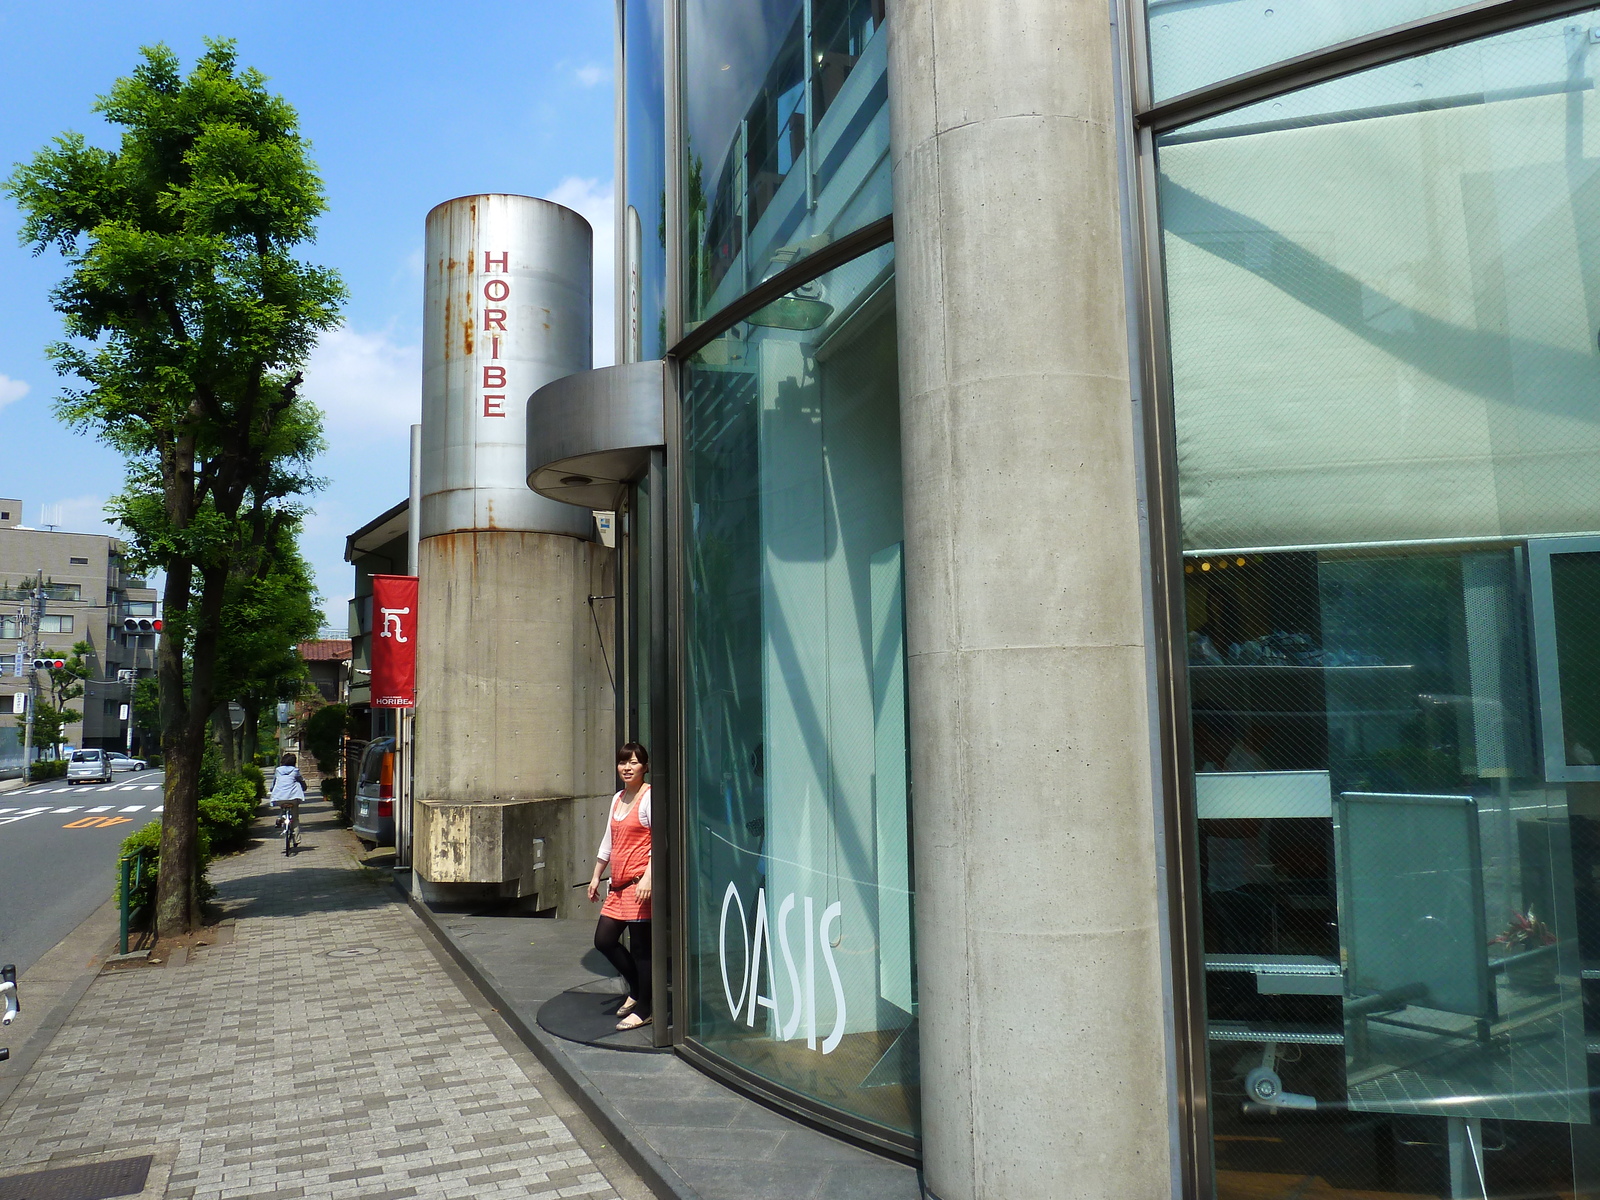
{"x": 394, "y": 641}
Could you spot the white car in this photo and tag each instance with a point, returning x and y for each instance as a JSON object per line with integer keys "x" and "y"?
{"x": 121, "y": 762}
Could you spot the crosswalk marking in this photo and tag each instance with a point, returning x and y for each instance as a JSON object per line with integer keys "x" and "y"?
{"x": 69, "y": 808}
{"x": 158, "y": 808}
{"x": 100, "y": 808}
{"x": 131, "y": 808}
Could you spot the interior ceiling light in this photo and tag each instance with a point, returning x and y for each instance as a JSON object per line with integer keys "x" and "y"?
{"x": 575, "y": 480}
{"x": 792, "y": 312}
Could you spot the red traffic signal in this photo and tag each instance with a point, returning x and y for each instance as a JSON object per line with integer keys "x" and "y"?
{"x": 157, "y": 624}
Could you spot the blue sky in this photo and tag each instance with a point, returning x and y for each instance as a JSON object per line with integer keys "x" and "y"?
{"x": 406, "y": 105}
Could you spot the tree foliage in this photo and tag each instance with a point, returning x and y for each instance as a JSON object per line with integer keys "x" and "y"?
{"x": 188, "y": 317}
{"x": 324, "y": 736}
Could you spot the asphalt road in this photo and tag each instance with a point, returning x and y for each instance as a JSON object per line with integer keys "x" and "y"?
{"x": 58, "y": 855}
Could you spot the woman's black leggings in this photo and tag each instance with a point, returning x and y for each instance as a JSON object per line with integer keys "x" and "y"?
{"x": 633, "y": 962}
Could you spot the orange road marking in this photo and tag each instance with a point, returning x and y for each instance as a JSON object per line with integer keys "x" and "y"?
{"x": 96, "y": 822}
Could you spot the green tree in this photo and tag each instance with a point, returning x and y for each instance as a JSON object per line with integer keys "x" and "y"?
{"x": 188, "y": 317}
{"x": 324, "y": 734}
{"x": 147, "y": 709}
{"x": 50, "y": 724}
{"x": 271, "y": 606}
{"x": 67, "y": 682}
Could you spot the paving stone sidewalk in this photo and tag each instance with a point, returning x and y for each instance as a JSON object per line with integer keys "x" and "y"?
{"x": 279, "y": 1065}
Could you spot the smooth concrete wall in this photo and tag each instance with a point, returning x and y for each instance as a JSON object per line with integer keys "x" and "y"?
{"x": 1041, "y": 990}
{"x": 513, "y": 698}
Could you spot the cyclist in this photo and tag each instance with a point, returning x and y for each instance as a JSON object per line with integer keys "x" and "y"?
{"x": 288, "y": 793}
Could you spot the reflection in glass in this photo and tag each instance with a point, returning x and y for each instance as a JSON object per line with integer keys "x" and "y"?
{"x": 1198, "y": 42}
{"x": 1383, "y": 298}
{"x": 785, "y": 109}
{"x": 801, "y": 960}
{"x": 645, "y": 234}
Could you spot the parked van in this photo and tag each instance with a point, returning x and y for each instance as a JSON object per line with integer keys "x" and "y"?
{"x": 372, "y": 808}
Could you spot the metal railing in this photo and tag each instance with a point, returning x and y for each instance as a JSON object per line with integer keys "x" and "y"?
{"x": 132, "y": 869}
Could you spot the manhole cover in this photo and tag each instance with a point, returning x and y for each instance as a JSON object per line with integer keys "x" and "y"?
{"x": 353, "y": 952}
{"x": 97, "y": 1181}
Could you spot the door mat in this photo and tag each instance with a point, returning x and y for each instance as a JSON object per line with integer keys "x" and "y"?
{"x": 590, "y": 1018}
{"x": 94, "y": 1181}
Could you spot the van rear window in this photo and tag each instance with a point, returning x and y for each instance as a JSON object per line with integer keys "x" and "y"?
{"x": 86, "y": 756}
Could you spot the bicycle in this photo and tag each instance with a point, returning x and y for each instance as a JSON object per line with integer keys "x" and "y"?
{"x": 289, "y": 826}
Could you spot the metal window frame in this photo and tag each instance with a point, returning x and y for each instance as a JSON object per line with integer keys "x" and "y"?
{"x": 1147, "y": 308}
{"x": 1546, "y": 663}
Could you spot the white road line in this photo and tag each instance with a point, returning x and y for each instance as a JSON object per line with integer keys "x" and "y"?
{"x": 152, "y": 787}
{"x": 101, "y": 808}
{"x": 62, "y": 789}
{"x": 131, "y": 808}
{"x": 69, "y": 808}
{"x": 158, "y": 808}
{"x": 129, "y": 787}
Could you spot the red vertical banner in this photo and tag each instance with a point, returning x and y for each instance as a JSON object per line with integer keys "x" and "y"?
{"x": 394, "y": 641}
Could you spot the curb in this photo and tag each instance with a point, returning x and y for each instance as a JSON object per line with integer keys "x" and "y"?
{"x": 652, "y": 1168}
{"x": 39, "y": 1038}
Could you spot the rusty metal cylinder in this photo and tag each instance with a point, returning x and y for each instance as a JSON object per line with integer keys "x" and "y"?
{"x": 508, "y": 307}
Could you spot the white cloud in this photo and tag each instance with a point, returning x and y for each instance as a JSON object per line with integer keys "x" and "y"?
{"x": 592, "y": 74}
{"x": 365, "y": 383}
{"x": 596, "y": 201}
{"x": 12, "y": 389}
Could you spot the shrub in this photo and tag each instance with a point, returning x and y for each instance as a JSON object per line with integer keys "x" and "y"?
{"x": 333, "y": 790}
{"x": 55, "y": 768}
{"x": 324, "y": 733}
{"x": 226, "y": 814}
{"x": 254, "y": 773}
{"x": 148, "y": 838}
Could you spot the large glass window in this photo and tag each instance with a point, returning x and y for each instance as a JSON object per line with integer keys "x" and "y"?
{"x": 1198, "y": 42}
{"x": 800, "y": 963}
{"x": 1383, "y": 299}
{"x": 787, "y": 136}
{"x": 645, "y": 231}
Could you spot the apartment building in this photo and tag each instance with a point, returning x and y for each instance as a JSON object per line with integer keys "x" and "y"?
{"x": 89, "y": 594}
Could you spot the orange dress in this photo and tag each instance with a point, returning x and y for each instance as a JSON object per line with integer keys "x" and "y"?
{"x": 629, "y": 844}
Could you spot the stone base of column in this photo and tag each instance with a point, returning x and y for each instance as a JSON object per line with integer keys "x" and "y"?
{"x": 536, "y": 852}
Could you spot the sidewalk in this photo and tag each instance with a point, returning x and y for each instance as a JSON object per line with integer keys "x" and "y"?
{"x": 327, "y": 1048}
{"x": 702, "y": 1140}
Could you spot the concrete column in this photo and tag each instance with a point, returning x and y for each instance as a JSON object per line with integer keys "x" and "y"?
{"x": 514, "y": 708}
{"x": 1041, "y": 990}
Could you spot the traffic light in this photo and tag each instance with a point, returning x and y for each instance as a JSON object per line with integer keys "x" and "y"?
{"x": 140, "y": 625}
{"x": 49, "y": 664}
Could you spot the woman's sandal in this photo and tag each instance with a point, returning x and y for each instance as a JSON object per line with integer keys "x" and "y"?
{"x": 633, "y": 1021}
{"x": 628, "y": 1006}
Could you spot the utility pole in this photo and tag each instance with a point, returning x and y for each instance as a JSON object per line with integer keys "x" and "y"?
{"x": 33, "y": 676}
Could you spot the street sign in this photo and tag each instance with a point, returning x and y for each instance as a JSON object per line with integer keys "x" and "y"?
{"x": 19, "y": 703}
{"x": 123, "y": 715}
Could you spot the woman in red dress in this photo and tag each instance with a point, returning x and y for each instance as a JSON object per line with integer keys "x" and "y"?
{"x": 626, "y": 847}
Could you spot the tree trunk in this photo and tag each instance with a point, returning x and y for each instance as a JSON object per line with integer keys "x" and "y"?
{"x": 222, "y": 728}
{"x": 175, "y": 884}
{"x": 252, "y": 725}
{"x": 185, "y": 726}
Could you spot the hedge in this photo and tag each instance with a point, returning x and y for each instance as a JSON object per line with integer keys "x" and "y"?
{"x": 225, "y": 819}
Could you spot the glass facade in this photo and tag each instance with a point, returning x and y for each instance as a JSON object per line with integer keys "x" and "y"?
{"x": 786, "y": 137}
{"x": 1198, "y": 42}
{"x": 800, "y": 964}
{"x": 1383, "y": 297}
{"x": 644, "y": 215}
